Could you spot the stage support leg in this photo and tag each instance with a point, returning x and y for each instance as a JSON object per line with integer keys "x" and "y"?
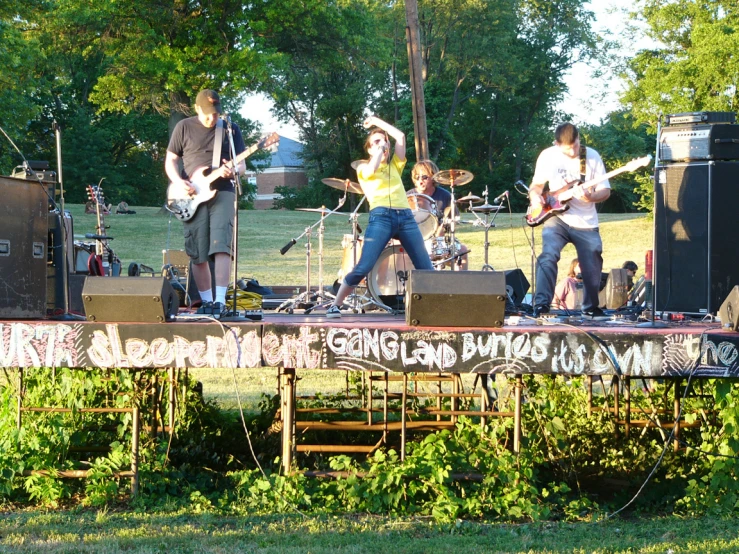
{"x": 403, "y": 417}
{"x": 627, "y": 405}
{"x": 484, "y": 400}
{"x": 385, "y": 407}
{"x": 590, "y": 395}
{"x": 287, "y": 413}
{"x": 367, "y": 394}
{"x": 615, "y": 385}
{"x": 19, "y": 416}
{"x": 676, "y": 415}
{"x": 172, "y": 399}
{"x": 135, "y": 432}
{"x": 517, "y": 415}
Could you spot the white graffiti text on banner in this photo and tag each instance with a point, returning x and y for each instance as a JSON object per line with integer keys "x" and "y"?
{"x": 38, "y": 345}
{"x": 230, "y": 350}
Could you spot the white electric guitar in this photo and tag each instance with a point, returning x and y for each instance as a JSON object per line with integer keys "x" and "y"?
{"x": 183, "y": 204}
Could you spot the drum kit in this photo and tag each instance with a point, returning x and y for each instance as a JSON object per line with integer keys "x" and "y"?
{"x": 384, "y": 286}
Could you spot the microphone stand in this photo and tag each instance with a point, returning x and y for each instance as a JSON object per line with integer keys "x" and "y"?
{"x": 651, "y": 296}
{"x": 518, "y": 185}
{"x": 307, "y": 296}
{"x": 233, "y": 313}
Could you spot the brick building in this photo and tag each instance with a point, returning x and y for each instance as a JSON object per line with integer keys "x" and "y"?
{"x": 285, "y": 169}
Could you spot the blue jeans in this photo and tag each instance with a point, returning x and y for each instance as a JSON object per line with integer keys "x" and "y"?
{"x": 555, "y": 235}
{"x": 385, "y": 224}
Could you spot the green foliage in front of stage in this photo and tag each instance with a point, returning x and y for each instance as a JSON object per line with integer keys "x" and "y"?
{"x": 573, "y": 465}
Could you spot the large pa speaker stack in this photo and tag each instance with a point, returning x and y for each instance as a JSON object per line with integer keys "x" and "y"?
{"x": 695, "y": 206}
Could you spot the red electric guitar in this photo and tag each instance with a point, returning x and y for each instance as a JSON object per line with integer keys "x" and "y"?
{"x": 184, "y": 205}
{"x": 557, "y": 202}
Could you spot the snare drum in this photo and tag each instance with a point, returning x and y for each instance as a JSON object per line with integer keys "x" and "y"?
{"x": 386, "y": 281}
{"x": 424, "y": 212}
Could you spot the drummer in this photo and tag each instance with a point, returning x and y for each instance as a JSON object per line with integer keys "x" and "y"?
{"x": 422, "y": 176}
{"x": 390, "y": 213}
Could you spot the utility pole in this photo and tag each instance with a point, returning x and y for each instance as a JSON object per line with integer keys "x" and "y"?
{"x": 413, "y": 38}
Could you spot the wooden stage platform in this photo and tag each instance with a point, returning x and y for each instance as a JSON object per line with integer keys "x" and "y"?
{"x": 384, "y": 349}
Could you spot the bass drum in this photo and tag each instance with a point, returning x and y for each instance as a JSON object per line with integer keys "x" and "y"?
{"x": 386, "y": 281}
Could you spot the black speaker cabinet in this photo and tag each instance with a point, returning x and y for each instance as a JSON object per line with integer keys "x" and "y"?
{"x": 728, "y": 313}
{"x": 124, "y": 299}
{"x": 696, "y": 259}
{"x": 517, "y": 285}
{"x": 23, "y": 248}
{"x": 455, "y": 298}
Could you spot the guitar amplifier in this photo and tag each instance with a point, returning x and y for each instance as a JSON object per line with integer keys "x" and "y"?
{"x": 699, "y": 142}
{"x": 695, "y": 118}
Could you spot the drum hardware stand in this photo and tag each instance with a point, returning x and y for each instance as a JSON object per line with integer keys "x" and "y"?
{"x": 453, "y": 225}
{"x": 358, "y": 302}
{"x": 308, "y": 296}
{"x": 486, "y": 225}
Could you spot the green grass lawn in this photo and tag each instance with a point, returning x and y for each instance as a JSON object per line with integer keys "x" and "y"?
{"x": 134, "y": 532}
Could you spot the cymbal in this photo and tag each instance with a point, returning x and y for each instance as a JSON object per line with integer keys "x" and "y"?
{"x": 323, "y": 210}
{"x": 487, "y": 208}
{"x": 341, "y": 184}
{"x": 456, "y": 177}
{"x": 356, "y": 163}
{"x": 469, "y": 198}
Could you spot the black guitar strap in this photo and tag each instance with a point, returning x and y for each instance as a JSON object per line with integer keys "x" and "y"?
{"x": 218, "y": 145}
{"x": 583, "y": 163}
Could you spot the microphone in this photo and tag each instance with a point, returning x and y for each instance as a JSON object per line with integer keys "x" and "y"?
{"x": 500, "y": 197}
{"x": 288, "y": 246}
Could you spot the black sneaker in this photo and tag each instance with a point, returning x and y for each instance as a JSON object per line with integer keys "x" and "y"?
{"x": 540, "y": 309}
{"x": 206, "y": 308}
{"x": 595, "y": 314}
{"x": 333, "y": 312}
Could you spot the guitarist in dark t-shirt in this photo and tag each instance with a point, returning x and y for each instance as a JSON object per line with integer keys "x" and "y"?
{"x": 208, "y": 233}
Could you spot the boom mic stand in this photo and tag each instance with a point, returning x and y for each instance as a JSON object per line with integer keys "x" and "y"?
{"x": 307, "y": 297}
{"x": 521, "y": 187}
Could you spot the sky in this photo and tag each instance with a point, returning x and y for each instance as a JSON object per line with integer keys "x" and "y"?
{"x": 589, "y": 101}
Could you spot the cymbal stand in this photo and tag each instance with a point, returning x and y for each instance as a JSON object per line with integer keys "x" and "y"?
{"x": 453, "y": 225}
{"x": 321, "y": 296}
{"x": 309, "y": 297}
{"x": 486, "y": 225}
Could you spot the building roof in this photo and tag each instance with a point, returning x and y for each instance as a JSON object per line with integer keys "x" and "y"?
{"x": 285, "y": 154}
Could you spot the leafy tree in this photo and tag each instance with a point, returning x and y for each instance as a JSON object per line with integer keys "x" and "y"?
{"x": 692, "y": 66}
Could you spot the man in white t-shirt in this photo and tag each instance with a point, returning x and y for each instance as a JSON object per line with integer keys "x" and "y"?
{"x": 560, "y": 165}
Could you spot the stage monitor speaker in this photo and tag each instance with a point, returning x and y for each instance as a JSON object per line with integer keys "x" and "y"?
{"x": 455, "y": 298}
{"x": 129, "y": 299}
{"x": 517, "y": 285}
{"x": 696, "y": 262}
{"x": 728, "y": 313}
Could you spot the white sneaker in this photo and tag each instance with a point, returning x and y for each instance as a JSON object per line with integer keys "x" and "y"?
{"x": 333, "y": 312}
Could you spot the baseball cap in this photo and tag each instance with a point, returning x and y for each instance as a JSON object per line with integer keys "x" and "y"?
{"x": 208, "y": 101}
